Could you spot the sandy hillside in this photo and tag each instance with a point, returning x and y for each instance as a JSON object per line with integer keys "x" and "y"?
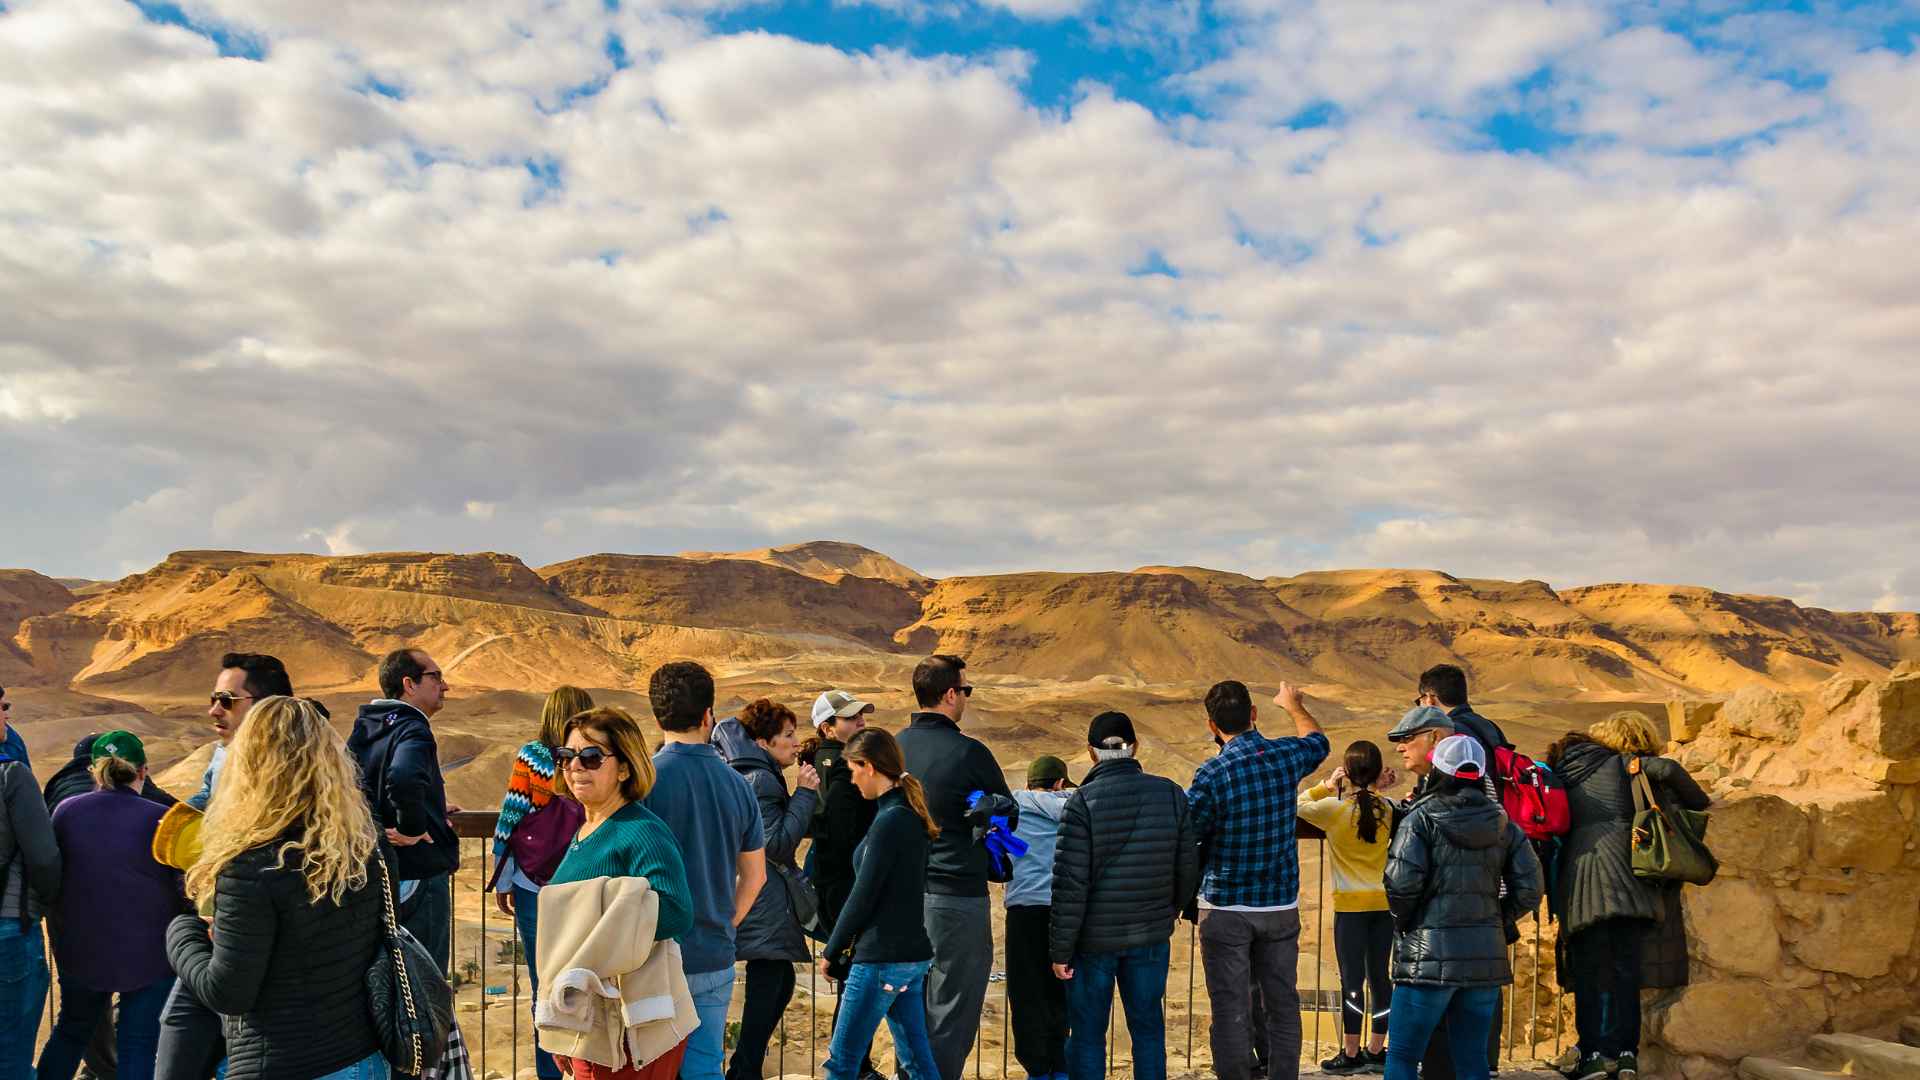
{"x": 1049, "y": 649}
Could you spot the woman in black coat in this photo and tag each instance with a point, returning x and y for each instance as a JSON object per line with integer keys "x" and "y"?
{"x": 1606, "y": 913}
{"x": 758, "y": 745}
{"x": 290, "y": 868}
{"x": 1459, "y": 874}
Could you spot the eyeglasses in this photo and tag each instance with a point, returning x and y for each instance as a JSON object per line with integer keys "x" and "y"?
{"x": 225, "y": 698}
{"x": 435, "y": 676}
{"x": 965, "y": 691}
{"x": 590, "y": 758}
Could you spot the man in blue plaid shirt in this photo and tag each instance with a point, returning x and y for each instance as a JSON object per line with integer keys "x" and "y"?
{"x": 1242, "y": 808}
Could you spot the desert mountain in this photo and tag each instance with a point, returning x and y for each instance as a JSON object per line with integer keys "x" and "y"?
{"x": 828, "y": 611}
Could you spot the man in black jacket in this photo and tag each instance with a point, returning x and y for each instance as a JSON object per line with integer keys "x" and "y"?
{"x": 951, "y": 766}
{"x": 399, "y": 762}
{"x": 1112, "y": 926}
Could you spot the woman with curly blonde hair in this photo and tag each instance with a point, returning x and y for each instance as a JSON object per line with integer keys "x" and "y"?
{"x": 297, "y": 915}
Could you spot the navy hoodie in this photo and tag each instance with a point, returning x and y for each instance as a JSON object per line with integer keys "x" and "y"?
{"x": 400, "y": 772}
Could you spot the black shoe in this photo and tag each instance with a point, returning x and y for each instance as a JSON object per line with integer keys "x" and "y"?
{"x": 1592, "y": 1067}
{"x": 1627, "y": 1066}
{"x": 1375, "y": 1062}
{"x": 1342, "y": 1065}
{"x": 1258, "y": 1071}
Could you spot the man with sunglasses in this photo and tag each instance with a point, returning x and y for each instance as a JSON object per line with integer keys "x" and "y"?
{"x": 951, "y": 766}
{"x": 244, "y": 679}
{"x": 399, "y": 762}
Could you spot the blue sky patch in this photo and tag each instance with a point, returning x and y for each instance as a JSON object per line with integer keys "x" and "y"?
{"x": 230, "y": 41}
{"x": 1154, "y": 264}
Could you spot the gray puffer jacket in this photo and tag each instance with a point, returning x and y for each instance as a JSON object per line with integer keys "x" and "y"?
{"x": 1596, "y": 862}
{"x": 770, "y": 931}
{"x": 1444, "y": 872}
{"x": 29, "y": 855}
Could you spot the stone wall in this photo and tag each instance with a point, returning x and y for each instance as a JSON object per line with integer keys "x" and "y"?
{"x": 1811, "y": 925}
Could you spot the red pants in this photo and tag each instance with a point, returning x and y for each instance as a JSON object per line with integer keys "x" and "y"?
{"x": 664, "y": 1067}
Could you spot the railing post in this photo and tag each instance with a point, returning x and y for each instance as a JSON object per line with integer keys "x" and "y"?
{"x": 1193, "y": 961}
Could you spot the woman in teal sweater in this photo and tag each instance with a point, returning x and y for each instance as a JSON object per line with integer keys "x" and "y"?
{"x": 606, "y": 768}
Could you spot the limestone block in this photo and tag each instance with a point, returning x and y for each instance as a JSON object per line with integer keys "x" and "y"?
{"x": 1860, "y": 934}
{"x": 1763, "y": 833}
{"x": 1729, "y": 1020}
{"x": 1686, "y": 718}
{"x": 1837, "y": 691}
{"x": 1886, "y": 717}
{"x": 1761, "y": 713}
{"x": 1864, "y": 831}
{"x": 1732, "y": 925}
{"x": 1894, "y": 773}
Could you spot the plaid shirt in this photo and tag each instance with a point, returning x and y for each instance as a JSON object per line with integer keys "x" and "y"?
{"x": 1242, "y": 807}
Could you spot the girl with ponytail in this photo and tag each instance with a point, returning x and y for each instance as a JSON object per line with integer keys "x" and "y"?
{"x": 883, "y": 923}
{"x": 1358, "y": 824}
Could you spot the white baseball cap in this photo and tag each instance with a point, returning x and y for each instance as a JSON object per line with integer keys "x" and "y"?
{"x": 1460, "y": 756}
{"x": 837, "y": 703}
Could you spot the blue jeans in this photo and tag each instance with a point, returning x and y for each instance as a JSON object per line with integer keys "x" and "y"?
{"x": 1140, "y": 973}
{"x": 526, "y": 916}
{"x": 136, "y": 1032}
{"x": 706, "y": 1057}
{"x": 371, "y": 1067}
{"x": 897, "y": 992}
{"x": 1417, "y": 1011}
{"x": 23, "y": 994}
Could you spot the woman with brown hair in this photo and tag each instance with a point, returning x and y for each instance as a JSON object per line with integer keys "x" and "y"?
{"x": 1358, "y": 824}
{"x": 611, "y": 915}
{"x": 288, "y": 863}
{"x": 519, "y": 874}
{"x": 1605, "y": 911}
{"x": 759, "y": 745}
{"x": 884, "y": 922}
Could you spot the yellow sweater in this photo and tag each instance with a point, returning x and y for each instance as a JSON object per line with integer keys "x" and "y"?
{"x": 1358, "y": 868}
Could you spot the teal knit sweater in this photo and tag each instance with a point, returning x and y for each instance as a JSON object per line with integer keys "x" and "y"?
{"x": 634, "y": 842}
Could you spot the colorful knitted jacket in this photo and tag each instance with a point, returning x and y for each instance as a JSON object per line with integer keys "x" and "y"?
{"x": 528, "y": 789}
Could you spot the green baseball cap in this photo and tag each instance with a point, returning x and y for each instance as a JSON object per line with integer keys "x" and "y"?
{"x": 124, "y": 745}
{"x": 1046, "y": 769}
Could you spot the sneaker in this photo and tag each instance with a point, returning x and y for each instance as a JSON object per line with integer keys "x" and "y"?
{"x": 1375, "y": 1062}
{"x": 1627, "y": 1066}
{"x": 1592, "y": 1067}
{"x": 1342, "y": 1065}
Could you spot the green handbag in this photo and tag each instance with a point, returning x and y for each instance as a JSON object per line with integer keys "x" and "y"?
{"x": 1669, "y": 843}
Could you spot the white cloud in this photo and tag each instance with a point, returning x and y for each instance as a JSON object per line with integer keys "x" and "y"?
{"x": 781, "y": 291}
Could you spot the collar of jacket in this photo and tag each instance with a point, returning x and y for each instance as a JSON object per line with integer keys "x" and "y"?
{"x": 1112, "y": 767}
{"x": 394, "y": 715}
{"x": 931, "y": 719}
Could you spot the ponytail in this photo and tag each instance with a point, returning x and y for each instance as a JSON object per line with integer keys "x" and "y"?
{"x": 881, "y": 752}
{"x": 1364, "y": 765}
{"x": 917, "y": 801}
{"x": 1371, "y": 812}
{"x": 115, "y": 772}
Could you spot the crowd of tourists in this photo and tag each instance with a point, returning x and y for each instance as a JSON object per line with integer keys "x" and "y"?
{"x": 233, "y": 934}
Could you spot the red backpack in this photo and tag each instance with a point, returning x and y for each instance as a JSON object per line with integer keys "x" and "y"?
{"x": 1531, "y": 794}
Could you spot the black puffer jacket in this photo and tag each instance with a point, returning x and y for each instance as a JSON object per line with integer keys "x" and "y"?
{"x": 1119, "y": 835}
{"x": 1444, "y": 872}
{"x": 289, "y": 975}
{"x": 769, "y": 932}
{"x": 1595, "y": 879}
{"x": 400, "y": 771}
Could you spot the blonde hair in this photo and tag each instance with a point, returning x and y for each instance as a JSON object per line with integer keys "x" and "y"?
{"x": 565, "y": 703}
{"x": 618, "y": 731}
{"x": 288, "y": 770}
{"x": 114, "y": 772}
{"x": 1626, "y": 732}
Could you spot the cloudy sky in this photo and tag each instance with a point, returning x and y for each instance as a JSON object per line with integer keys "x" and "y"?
{"x": 1582, "y": 291}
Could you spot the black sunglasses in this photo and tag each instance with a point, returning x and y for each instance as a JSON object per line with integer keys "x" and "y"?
{"x": 226, "y": 698}
{"x": 590, "y": 758}
{"x": 965, "y": 691}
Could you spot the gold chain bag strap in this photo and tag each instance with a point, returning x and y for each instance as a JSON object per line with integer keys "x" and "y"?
{"x": 412, "y": 1002}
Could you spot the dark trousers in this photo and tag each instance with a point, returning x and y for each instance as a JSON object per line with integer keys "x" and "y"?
{"x": 1363, "y": 944}
{"x": 961, "y": 929}
{"x": 138, "y": 1033}
{"x": 769, "y": 988}
{"x": 1038, "y": 1000}
{"x": 1140, "y": 975}
{"x": 1438, "y": 1063}
{"x": 428, "y": 916}
{"x": 1603, "y": 971}
{"x": 192, "y": 1042}
{"x": 526, "y": 919}
{"x": 1238, "y": 950}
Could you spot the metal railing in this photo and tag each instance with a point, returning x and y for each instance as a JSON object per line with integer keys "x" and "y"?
{"x": 488, "y": 957}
